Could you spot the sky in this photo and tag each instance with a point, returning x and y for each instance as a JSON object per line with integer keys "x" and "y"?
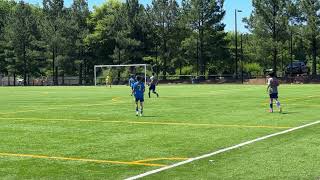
{"x": 230, "y": 6}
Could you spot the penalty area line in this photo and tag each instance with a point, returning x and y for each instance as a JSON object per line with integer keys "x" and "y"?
{"x": 219, "y": 151}
{"x": 79, "y": 159}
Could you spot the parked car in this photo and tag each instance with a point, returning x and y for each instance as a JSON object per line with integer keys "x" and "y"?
{"x": 298, "y": 67}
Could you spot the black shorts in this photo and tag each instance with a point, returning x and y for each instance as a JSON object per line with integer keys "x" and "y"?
{"x": 152, "y": 87}
{"x": 274, "y": 96}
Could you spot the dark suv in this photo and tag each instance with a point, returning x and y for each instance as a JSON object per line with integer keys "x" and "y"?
{"x": 298, "y": 67}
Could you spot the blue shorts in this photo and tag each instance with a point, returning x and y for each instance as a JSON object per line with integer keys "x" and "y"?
{"x": 152, "y": 87}
{"x": 141, "y": 99}
{"x": 274, "y": 95}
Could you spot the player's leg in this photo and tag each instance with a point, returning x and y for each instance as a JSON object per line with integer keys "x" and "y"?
{"x": 271, "y": 104}
{"x": 141, "y": 107}
{"x": 154, "y": 90}
{"x": 150, "y": 88}
{"x": 278, "y": 105}
{"x": 137, "y": 107}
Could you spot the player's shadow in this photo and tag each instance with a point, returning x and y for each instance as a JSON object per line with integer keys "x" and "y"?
{"x": 150, "y": 116}
{"x": 292, "y": 112}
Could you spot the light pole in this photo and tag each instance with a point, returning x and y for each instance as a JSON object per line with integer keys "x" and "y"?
{"x": 236, "y": 39}
{"x": 291, "y": 53}
{"x": 291, "y": 50}
{"x": 241, "y": 47}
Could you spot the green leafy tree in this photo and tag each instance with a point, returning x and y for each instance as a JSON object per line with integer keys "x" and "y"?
{"x": 101, "y": 38}
{"x": 23, "y": 26}
{"x": 310, "y": 15}
{"x": 79, "y": 14}
{"x": 164, "y": 16}
{"x": 269, "y": 22}
{"x": 53, "y": 23}
{"x": 6, "y": 8}
{"x": 206, "y": 20}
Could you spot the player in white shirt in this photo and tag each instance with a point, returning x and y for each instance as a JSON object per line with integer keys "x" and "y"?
{"x": 272, "y": 89}
{"x": 153, "y": 84}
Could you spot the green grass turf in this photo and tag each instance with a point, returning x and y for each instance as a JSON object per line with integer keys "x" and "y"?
{"x": 100, "y": 123}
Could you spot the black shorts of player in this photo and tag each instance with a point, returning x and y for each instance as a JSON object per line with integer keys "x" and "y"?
{"x": 152, "y": 87}
{"x": 274, "y": 95}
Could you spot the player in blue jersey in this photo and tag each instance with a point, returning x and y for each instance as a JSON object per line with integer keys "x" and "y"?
{"x": 132, "y": 80}
{"x": 138, "y": 91}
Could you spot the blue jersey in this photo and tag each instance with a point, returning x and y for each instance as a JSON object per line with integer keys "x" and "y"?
{"x": 131, "y": 82}
{"x": 138, "y": 89}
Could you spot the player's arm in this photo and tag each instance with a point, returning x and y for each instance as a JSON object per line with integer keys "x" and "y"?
{"x": 133, "y": 88}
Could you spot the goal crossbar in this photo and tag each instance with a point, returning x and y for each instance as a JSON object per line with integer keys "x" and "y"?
{"x": 121, "y": 65}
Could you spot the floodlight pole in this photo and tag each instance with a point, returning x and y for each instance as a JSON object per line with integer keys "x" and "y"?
{"x": 291, "y": 49}
{"x": 241, "y": 47}
{"x": 291, "y": 54}
{"x": 236, "y": 40}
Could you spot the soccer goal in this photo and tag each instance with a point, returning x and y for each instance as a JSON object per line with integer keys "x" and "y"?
{"x": 119, "y": 74}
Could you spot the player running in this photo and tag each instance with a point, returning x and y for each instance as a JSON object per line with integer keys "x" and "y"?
{"x": 272, "y": 89}
{"x": 153, "y": 83}
{"x": 138, "y": 91}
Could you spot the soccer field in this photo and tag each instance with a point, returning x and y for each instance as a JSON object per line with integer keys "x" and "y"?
{"x": 93, "y": 133}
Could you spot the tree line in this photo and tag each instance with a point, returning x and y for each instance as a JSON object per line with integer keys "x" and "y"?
{"x": 176, "y": 38}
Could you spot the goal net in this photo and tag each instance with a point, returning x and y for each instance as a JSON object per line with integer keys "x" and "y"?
{"x": 119, "y": 74}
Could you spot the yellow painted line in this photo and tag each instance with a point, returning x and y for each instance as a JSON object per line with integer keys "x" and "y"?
{"x": 115, "y": 99}
{"x": 211, "y": 125}
{"x": 51, "y": 108}
{"x": 159, "y": 159}
{"x": 79, "y": 159}
{"x": 150, "y": 123}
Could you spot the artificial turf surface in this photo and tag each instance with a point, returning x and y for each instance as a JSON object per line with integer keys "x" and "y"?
{"x": 93, "y": 133}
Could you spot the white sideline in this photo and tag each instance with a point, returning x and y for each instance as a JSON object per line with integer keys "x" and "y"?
{"x": 219, "y": 151}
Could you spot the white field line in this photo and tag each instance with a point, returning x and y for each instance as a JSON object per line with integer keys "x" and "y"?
{"x": 219, "y": 151}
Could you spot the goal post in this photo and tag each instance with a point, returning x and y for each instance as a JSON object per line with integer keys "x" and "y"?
{"x": 102, "y": 71}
